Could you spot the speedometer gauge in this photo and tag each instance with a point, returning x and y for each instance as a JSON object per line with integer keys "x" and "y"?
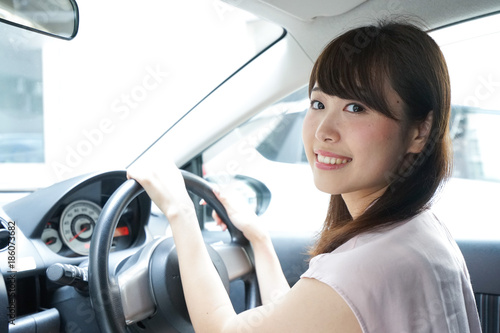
{"x": 50, "y": 237}
{"x": 77, "y": 225}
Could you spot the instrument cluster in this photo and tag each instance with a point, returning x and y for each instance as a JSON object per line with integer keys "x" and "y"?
{"x": 68, "y": 232}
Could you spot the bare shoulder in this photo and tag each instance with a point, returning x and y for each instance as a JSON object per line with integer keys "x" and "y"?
{"x": 310, "y": 306}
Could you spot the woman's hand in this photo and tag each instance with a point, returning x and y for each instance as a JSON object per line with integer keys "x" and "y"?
{"x": 163, "y": 182}
{"x": 240, "y": 213}
{"x": 272, "y": 281}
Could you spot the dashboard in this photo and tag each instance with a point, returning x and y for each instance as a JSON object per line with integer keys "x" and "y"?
{"x": 62, "y": 217}
{"x": 56, "y": 225}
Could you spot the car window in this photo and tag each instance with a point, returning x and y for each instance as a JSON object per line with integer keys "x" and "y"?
{"x": 21, "y": 105}
{"x": 467, "y": 203}
{"x": 98, "y": 101}
{"x": 269, "y": 147}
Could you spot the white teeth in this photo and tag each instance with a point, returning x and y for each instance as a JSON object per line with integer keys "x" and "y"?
{"x": 331, "y": 160}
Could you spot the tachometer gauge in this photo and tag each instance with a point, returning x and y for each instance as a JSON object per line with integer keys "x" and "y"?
{"x": 77, "y": 225}
{"x": 50, "y": 237}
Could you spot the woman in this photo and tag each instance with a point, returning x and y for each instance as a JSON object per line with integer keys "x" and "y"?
{"x": 376, "y": 137}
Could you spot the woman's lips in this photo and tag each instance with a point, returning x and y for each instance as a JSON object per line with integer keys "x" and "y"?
{"x": 330, "y": 161}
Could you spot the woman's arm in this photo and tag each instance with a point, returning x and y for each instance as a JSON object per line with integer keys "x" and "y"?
{"x": 309, "y": 306}
{"x": 272, "y": 281}
{"x": 208, "y": 303}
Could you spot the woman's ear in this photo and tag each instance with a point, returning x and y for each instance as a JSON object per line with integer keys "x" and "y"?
{"x": 420, "y": 134}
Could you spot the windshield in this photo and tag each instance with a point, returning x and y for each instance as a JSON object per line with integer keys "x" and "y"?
{"x": 98, "y": 101}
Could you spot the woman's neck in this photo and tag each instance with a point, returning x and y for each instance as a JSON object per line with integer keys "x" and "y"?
{"x": 358, "y": 202}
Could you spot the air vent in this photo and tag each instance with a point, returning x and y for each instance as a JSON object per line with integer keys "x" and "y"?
{"x": 4, "y": 235}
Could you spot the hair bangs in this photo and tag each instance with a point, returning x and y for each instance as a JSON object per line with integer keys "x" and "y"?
{"x": 348, "y": 71}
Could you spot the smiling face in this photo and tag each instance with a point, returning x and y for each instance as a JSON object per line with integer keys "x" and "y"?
{"x": 376, "y": 134}
{"x": 352, "y": 148}
{"x": 374, "y": 106}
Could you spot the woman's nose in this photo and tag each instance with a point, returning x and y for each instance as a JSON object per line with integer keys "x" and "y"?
{"x": 328, "y": 129}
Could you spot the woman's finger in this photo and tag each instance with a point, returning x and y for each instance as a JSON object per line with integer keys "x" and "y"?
{"x": 218, "y": 220}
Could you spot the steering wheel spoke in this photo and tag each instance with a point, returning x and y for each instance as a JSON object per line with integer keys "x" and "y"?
{"x": 134, "y": 284}
{"x": 236, "y": 260}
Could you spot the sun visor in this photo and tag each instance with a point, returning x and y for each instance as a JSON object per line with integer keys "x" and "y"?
{"x": 308, "y": 10}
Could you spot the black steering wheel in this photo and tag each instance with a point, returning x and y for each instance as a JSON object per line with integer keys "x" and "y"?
{"x": 143, "y": 293}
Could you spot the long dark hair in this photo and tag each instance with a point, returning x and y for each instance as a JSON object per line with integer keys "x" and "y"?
{"x": 356, "y": 65}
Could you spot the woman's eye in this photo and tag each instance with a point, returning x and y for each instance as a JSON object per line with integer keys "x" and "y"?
{"x": 317, "y": 105}
{"x": 354, "y": 108}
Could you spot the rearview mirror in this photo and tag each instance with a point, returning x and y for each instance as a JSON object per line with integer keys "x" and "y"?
{"x": 57, "y": 18}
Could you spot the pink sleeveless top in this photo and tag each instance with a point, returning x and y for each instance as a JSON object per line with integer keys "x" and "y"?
{"x": 410, "y": 278}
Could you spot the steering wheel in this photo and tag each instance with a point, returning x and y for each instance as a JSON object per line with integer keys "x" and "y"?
{"x": 144, "y": 291}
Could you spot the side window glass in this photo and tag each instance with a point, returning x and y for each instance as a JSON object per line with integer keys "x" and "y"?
{"x": 274, "y": 133}
{"x": 469, "y": 200}
{"x": 474, "y": 132}
{"x": 269, "y": 149}
{"x": 284, "y": 142}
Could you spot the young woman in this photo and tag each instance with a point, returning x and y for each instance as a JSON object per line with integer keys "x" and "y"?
{"x": 376, "y": 137}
